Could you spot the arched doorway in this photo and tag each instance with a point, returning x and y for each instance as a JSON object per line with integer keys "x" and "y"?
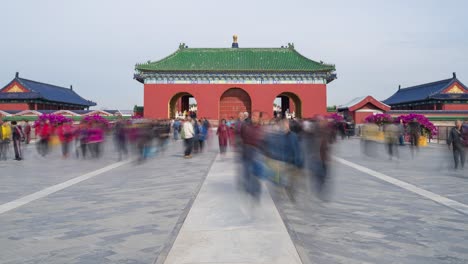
{"x": 182, "y": 104}
{"x": 233, "y": 101}
{"x": 287, "y": 105}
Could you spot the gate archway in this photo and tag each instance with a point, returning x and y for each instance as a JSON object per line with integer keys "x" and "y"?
{"x": 182, "y": 103}
{"x": 233, "y": 101}
{"x": 287, "y": 104}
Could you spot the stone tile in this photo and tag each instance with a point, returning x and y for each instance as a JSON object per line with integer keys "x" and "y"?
{"x": 126, "y": 215}
{"x": 370, "y": 221}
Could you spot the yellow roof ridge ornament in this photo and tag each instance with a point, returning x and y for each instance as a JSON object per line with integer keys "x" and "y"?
{"x": 234, "y": 41}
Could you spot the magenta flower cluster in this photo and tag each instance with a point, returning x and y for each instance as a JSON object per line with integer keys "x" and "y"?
{"x": 379, "y": 119}
{"x": 53, "y": 119}
{"x": 428, "y": 127}
{"x": 96, "y": 119}
{"x": 336, "y": 117}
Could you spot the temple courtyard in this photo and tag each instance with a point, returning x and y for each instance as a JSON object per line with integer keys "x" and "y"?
{"x": 410, "y": 209}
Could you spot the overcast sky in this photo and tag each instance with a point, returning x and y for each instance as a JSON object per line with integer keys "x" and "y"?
{"x": 94, "y": 45}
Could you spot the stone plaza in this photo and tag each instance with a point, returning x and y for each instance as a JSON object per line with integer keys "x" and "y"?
{"x": 411, "y": 209}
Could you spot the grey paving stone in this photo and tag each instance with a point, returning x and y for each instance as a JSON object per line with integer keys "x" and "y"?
{"x": 126, "y": 215}
{"x": 371, "y": 221}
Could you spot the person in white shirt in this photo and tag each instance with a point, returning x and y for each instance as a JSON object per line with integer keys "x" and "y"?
{"x": 188, "y": 137}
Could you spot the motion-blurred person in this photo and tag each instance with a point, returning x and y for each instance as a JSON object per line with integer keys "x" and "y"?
{"x": 456, "y": 140}
{"x": 223, "y": 135}
{"x": 237, "y": 142}
{"x": 391, "y": 133}
{"x": 401, "y": 130}
{"x": 44, "y": 131}
{"x": 206, "y": 123}
{"x": 95, "y": 139}
{"x": 1, "y": 138}
{"x": 251, "y": 135}
{"x": 317, "y": 152}
{"x": 295, "y": 126}
{"x": 231, "y": 124}
{"x": 145, "y": 135}
{"x": 120, "y": 137}
{"x": 415, "y": 132}
{"x": 369, "y": 134}
{"x": 342, "y": 129}
{"x": 188, "y": 132}
{"x": 333, "y": 128}
{"x": 196, "y": 133}
{"x": 18, "y": 137}
{"x": 282, "y": 145}
{"x": 202, "y": 135}
{"x": 81, "y": 140}
{"x": 5, "y": 140}
{"x": 207, "y": 127}
{"x": 176, "y": 126}
{"x": 247, "y": 119}
{"x": 27, "y": 131}
{"x": 162, "y": 134}
{"x": 65, "y": 133}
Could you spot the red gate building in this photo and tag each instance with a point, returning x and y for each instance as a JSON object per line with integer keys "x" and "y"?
{"x": 226, "y": 81}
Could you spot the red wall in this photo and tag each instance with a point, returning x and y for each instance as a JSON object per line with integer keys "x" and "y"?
{"x": 14, "y": 107}
{"x": 455, "y": 107}
{"x": 360, "y": 117}
{"x": 157, "y": 97}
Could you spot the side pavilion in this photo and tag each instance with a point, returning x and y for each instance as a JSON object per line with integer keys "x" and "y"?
{"x": 23, "y": 94}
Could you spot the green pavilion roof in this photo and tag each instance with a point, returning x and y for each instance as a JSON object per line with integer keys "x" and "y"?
{"x": 235, "y": 60}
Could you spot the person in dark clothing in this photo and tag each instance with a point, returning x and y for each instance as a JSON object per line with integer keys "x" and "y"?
{"x": 18, "y": 137}
{"x": 162, "y": 132}
{"x": 176, "y": 126}
{"x": 251, "y": 135}
{"x": 120, "y": 135}
{"x": 223, "y": 135}
{"x": 195, "y": 141}
{"x": 27, "y": 131}
{"x": 456, "y": 140}
{"x": 295, "y": 126}
{"x": 401, "y": 130}
{"x": 317, "y": 145}
{"x": 414, "y": 131}
{"x": 342, "y": 129}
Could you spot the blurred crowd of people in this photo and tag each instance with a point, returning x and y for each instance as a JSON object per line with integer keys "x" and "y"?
{"x": 395, "y": 134}
{"x": 264, "y": 145}
{"x": 282, "y": 151}
{"x": 86, "y": 139}
{"x": 279, "y": 149}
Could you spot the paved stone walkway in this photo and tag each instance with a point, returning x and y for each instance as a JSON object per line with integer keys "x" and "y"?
{"x": 226, "y": 225}
{"x": 126, "y": 215}
{"x": 133, "y": 213}
{"x": 367, "y": 220}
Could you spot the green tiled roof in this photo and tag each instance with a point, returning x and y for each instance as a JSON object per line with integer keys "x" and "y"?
{"x": 236, "y": 59}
